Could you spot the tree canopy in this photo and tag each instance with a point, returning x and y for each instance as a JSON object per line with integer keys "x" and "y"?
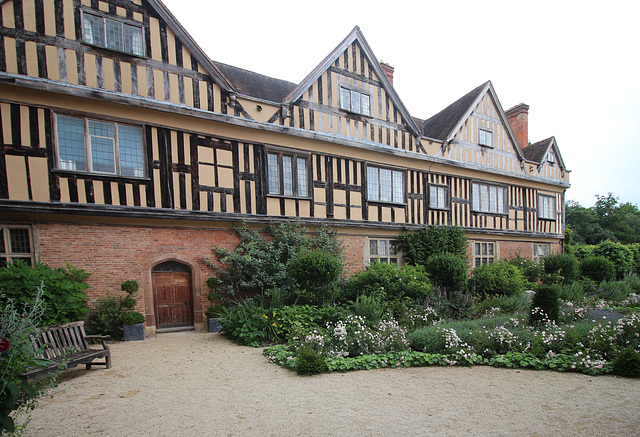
{"x": 608, "y": 219}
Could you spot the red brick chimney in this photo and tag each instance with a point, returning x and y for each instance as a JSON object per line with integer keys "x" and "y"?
{"x": 518, "y": 117}
{"x": 388, "y": 71}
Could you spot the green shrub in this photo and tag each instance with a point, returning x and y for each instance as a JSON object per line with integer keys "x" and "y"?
{"x": 597, "y": 268}
{"x": 310, "y": 362}
{"x": 497, "y": 279}
{"x": 251, "y": 324}
{"x": 428, "y": 339}
{"x": 516, "y": 303}
{"x": 64, "y": 298}
{"x": 531, "y": 270}
{"x": 388, "y": 283}
{"x": 258, "y": 265}
{"x": 316, "y": 273}
{"x": 106, "y": 317}
{"x": 132, "y": 318}
{"x": 615, "y": 291}
{"x": 545, "y": 304}
{"x": 619, "y": 254}
{"x": 448, "y": 271}
{"x": 573, "y": 292}
{"x": 563, "y": 265}
{"x": 635, "y": 249}
{"x": 368, "y": 308}
{"x": 582, "y": 251}
{"x": 418, "y": 246}
{"x": 627, "y": 363}
{"x": 215, "y": 312}
{"x": 17, "y": 393}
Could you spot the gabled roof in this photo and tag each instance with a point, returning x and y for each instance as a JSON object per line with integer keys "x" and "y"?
{"x": 538, "y": 152}
{"x": 354, "y": 35}
{"x": 446, "y": 123}
{"x": 255, "y": 85}
{"x": 190, "y": 43}
{"x": 442, "y": 126}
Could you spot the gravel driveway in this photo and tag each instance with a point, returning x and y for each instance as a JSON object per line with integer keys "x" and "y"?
{"x": 200, "y": 384}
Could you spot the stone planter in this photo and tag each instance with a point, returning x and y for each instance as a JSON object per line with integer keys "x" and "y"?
{"x": 214, "y": 325}
{"x": 133, "y": 332}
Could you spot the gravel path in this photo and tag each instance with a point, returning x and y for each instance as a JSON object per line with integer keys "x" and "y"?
{"x": 200, "y": 384}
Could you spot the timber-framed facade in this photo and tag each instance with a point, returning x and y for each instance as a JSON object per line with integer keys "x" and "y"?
{"x": 127, "y": 152}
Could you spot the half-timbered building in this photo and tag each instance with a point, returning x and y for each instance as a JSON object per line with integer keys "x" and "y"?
{"x": 129, "y": 153}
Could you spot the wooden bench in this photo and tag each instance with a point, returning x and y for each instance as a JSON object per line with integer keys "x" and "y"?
{"x": 69, "y": 344}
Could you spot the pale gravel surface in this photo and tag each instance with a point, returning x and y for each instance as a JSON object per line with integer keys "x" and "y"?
{"x": 200, "y": 384}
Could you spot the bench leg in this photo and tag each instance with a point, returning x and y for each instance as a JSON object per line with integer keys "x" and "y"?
{"x": 108, "y": 361}
{"x": 88, "y": 366}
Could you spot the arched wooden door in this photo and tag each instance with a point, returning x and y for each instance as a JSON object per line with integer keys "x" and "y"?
{"x": 172, "y": 295}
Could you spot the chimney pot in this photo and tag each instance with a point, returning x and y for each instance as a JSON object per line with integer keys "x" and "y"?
{"x": 388, "y": 71}
{"x": 518, "y": 118}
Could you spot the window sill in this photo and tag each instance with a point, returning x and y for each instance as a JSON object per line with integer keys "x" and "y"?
{"x": 111, "y": 51}
{"x": 383, "y": 203}
{"x": 285, "y": 196}
{"x": 355, "y": 114}
{"x": 89, "y": 174}
{"x": 503, "y": 214}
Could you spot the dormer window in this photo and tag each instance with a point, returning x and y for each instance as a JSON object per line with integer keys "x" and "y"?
{"x": 550, "y": 158}
{"x": 354, "y": 100}
{"x": 485, "y": 137}
{"x": 112, "y": 33}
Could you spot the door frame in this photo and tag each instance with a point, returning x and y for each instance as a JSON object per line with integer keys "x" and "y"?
{"x": 196, "y": 289}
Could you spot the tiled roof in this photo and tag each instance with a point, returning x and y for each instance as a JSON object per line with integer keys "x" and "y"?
{"x": 255, "y": 85}
{"x": 537, "y": 152}
{"x": 440, "y": 125}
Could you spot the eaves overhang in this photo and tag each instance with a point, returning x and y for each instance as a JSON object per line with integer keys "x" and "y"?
{"x": 41, "y": 84}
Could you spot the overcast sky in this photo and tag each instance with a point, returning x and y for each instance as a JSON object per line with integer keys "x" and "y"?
{"x": 575, "y": 63}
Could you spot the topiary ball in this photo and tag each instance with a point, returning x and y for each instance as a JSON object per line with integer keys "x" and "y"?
{"x": 310, "y": 362}
{"x": 627, "y": 363}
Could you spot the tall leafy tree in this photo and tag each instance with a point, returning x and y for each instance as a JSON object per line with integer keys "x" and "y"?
{"x": 606, "y": 220}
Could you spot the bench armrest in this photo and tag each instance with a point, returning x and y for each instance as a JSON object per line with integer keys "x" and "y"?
{"x": 102, "y": 339}
{"x": 97, "y": 337}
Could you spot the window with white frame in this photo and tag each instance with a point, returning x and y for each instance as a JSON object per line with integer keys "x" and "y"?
{"x": 551, "y": 158}
{"x": 384, "y": 251}
{"x": 385, "y": 185}
{"x": 540, "y": 251}
{"x": 353, "y": 100}
{"x": 287, "y": 174}
{"x": 485, "y": 137}
{"x": 99, "y": 146}
{"x": 489, "y": 198}
{"x": 438, "y": 197}
{"x": 16, "y": 243}
{"x": 546, "y": 207}
{"x": 112, "y": 33}
{"x": 484, "y": 253}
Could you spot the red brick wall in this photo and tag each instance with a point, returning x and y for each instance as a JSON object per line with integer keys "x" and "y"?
{"x": 114, "y": 254}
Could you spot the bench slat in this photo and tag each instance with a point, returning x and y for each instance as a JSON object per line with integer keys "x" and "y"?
{"x": 53, "y": 342}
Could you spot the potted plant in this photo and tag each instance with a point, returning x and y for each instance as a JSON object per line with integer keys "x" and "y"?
{"x": 214, "y": 315}
{"x": 132, "y": 321}
{"x": 133, "y": 326}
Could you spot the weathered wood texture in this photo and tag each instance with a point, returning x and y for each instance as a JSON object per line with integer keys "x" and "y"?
{"x": 68, "y": 344}
{"x": 319, "y": 107}
{"x": 45, "y": 40}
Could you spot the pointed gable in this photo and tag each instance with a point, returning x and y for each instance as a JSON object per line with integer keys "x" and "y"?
{"x": 355, "y": 97}
{"x": 476, "y": 119}
{"x": 545, "y": 151}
